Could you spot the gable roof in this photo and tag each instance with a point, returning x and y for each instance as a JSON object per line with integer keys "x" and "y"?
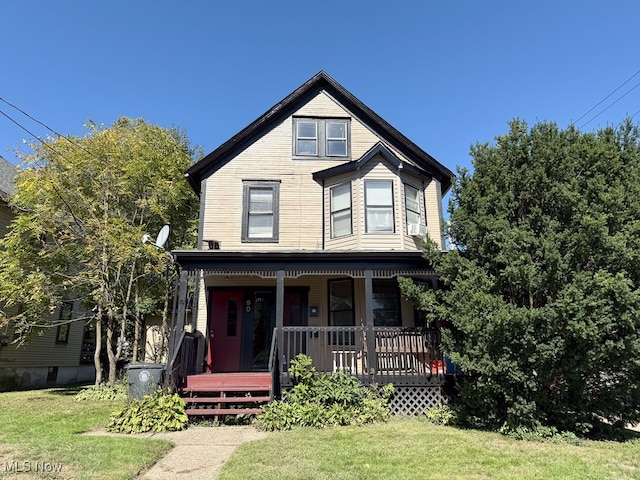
{"x": 378, "y": 149}
{"x": 8, "y": 173}
{"x": 286, "y": 107}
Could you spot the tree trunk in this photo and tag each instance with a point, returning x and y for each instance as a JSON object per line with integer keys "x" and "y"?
{"x": 125, "y": 312}
{"x": 96, "y": 354}
{"x": 110, "y": 353}
{"x": 137, "y": 326}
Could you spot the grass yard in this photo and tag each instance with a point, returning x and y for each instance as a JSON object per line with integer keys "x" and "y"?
{"x": 415, "y": 449}
{"x": 43, "y": 427}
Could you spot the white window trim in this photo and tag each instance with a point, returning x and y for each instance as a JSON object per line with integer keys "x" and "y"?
{"x": 367, "y": 206}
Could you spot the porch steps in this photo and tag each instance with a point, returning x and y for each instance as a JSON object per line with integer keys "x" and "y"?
{"x": 219, "y": 394}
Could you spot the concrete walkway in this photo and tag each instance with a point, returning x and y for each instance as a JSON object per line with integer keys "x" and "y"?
{"x": 199, "y": 452}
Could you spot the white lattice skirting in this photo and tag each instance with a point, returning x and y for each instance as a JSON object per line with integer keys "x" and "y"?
{"x": 414, "y": 401}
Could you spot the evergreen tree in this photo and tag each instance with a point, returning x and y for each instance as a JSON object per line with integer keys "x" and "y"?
{"x": 541, "y": 298}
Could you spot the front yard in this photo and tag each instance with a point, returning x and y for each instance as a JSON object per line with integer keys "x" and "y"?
{"x": 44, "y": 428}
{"x": 41, "y": 435}
{"x": 415, "y": 449}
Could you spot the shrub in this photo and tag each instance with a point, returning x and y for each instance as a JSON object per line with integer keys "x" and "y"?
{"x": 160, "y": 412}
{"x": 325, "y": 400}
{"x": 117, "y": 391}
{"x": 540, "y": 433}
{"x": 443, "y": 415}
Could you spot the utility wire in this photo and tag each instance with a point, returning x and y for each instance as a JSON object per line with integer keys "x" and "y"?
{"x": 610, "y": 105}
{"x": 45, "y": 126}
{"x": 605, "y": 98}
{"x": 46, "y": 144}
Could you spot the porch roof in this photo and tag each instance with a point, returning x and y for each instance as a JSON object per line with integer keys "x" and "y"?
{"x": 297, "y": 263}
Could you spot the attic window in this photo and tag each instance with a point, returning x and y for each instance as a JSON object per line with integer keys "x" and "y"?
{"x": 321, "y": 137}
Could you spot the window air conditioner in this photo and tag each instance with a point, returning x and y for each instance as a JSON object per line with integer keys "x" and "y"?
{"x": 417, "y": 229}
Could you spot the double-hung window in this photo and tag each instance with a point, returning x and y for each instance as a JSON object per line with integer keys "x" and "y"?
{"x": 341, "y": 210}
{"x": 321, "y": 137}
{"x": 411, "y": 204}
{"x": 307, "y": 138}
{"x": 260, "y": 214}
{"x": 336, "y": 138}
{"x": 379, "y": 206}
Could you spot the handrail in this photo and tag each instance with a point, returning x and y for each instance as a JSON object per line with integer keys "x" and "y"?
{"x": 174, "y": 357}
{"x": 401, "y": 355}
{"x": 273, "y": 350}
{"x": 273, "y": 354}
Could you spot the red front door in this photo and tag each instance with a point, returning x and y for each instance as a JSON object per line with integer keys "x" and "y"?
{"x": 225, "y": 329}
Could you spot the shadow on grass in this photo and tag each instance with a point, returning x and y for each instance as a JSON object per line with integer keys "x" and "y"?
{"x": 613, "y": 433}
{"x": 69, "y": 390}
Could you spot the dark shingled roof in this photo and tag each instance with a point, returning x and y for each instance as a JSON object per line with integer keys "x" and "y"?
{"x": 8, "y": 173}
{"x": 291, "y": 103}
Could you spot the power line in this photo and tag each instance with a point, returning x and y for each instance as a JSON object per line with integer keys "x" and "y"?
{"x": 44, "y": 125}
{"x": 605, "y": 98}
{"x": 610, "y": 105}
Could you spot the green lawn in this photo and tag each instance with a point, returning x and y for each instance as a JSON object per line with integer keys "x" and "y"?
{"x": 415, "y": 449}
{"x": 45, "y": 427}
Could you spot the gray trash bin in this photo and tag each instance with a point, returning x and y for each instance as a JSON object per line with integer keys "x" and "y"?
{"x": 144, "y": 378}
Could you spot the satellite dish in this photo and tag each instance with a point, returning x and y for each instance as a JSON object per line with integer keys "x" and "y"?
{"x": 163, "y": 235}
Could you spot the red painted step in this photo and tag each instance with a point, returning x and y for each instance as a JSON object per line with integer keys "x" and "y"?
{"x": 226, "y": 393}
{"x": 223, "y": 411}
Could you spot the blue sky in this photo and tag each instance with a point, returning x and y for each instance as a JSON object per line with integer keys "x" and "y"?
{"x": 446, "y": 73}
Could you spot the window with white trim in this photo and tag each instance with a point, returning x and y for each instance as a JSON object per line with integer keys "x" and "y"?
{"x": 321, "y": 137}
{"x": 340, "y": 200}
{"x": 412, "y": 204}
{"x": 260, "y": 214}
{"x": 378, "y": 197}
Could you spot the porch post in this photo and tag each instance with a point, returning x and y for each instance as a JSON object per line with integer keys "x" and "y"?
{"x": 368, "y": 311}
{"x": 280, "y": 312}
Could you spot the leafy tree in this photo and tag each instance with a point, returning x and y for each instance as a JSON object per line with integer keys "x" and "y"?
{"x": 541, "y": 298}
{"x": 83, "y": 206}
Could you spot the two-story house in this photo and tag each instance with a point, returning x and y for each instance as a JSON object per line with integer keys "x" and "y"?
{"x": 53, "y": 356}
{"x": 307, "y": 217}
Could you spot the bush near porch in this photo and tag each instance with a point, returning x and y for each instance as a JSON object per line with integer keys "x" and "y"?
{"x": 321, "y": 400}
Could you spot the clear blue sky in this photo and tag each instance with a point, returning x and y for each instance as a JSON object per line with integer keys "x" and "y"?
{"x": 446, "y": 73}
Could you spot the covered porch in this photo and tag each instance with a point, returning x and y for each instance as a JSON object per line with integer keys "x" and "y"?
{"x": 261, "y": 309}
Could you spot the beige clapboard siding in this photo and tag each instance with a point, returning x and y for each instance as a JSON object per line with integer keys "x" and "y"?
{"x": 362, "y": 138}
{"x": 347, "y": 242}
{"x": 433, "y": 200}
{"x": 300, "y": 208}
{"x": 379, "y": 169}
{"x": 302, "y": 225}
